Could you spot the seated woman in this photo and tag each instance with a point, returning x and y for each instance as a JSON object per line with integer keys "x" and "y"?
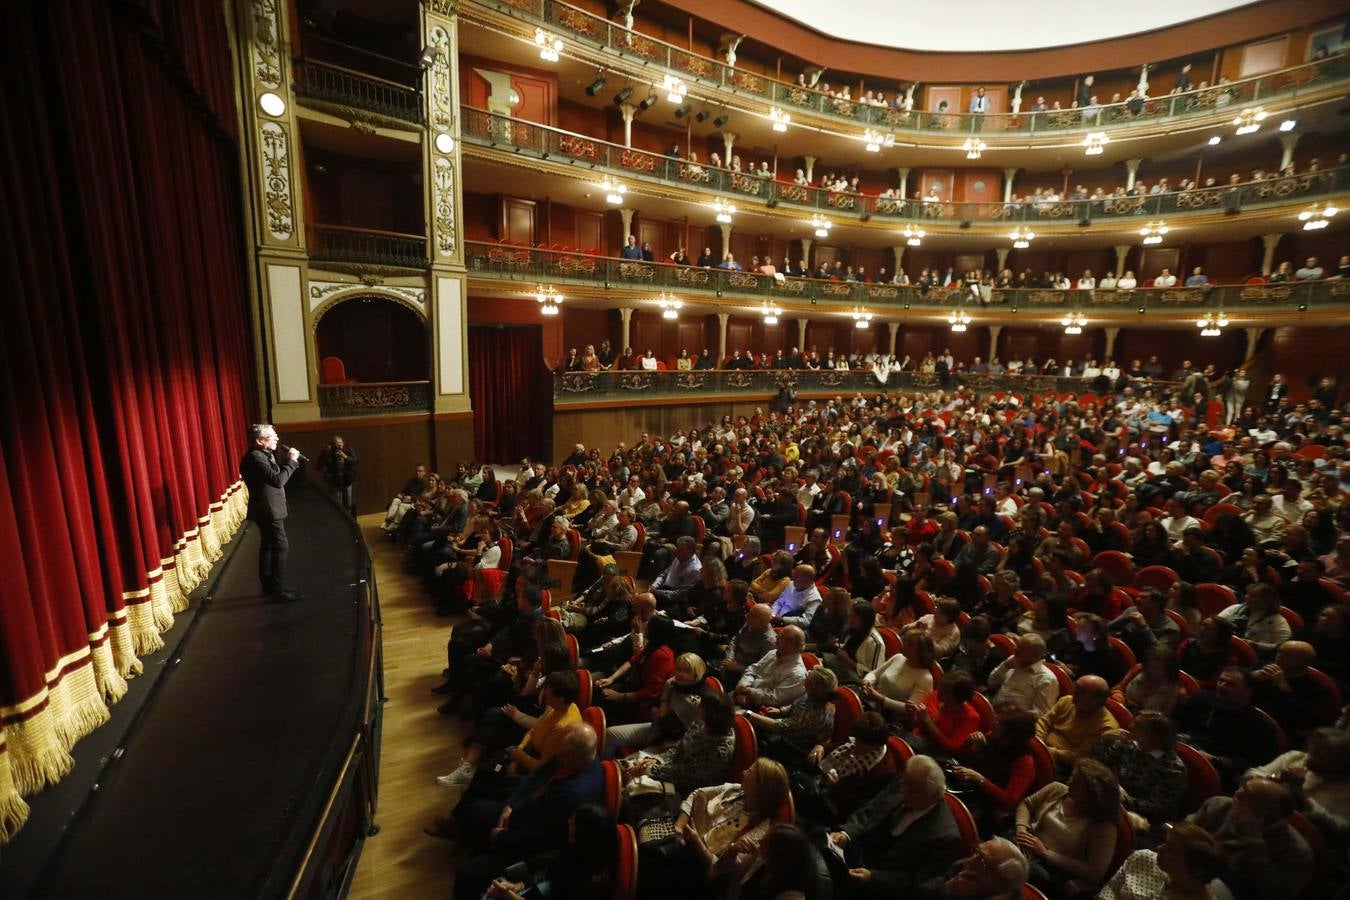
{"x": 583, "y": 870}
{"x": 900, "y": 685}
{"x": 635, "y": 686}
{"x": 770, "y": 583}
{"x": 946, "y": 720}
{"x": 787, "y": 733}
{"x": 1047, "y": 619}
{"x": 681, "y": 697}
{"x": 828, "y": 625}
{"x": 717, "y": 833}
{"x": 940, "y": 626}
{"x": 1001, "y": 606}
{"x": 1068, "y": 831}
{"x": 901, "y": 605}
{"x": 868, "y": 580}
{"x": 787, "y": 867}
{"x": 1157, "y": 687}
{"x": 1184, "y": 866}
{"x": 833, "y": 785}
{"x": 1000, "y": 767}
{"x": 1152, "y": 775}
{"x": 698, "y": 759}
{"x": 861, "y": 649}
{"x": 1206, "y": 656}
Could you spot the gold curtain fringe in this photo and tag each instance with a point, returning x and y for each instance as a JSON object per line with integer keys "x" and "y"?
{"x": 111, "y": 685}
{"x": 35, "y": 752}
{"x": 13, "y": 809}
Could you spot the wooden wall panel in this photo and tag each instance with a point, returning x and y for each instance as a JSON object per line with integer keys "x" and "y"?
{"x": 1155, "y": 259}
{"x": 583, "y": 325}
{"x": 589, "y": 231}
{"x": 518, "y": 220}
{"x": 480, "y": 219}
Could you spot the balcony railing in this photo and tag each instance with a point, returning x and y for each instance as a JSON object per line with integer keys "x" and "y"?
{"x": 336, "y": 243}
{"x": 587, "y": 387}
{"x": 546, "y": 143}
{"x": 531, "y": 266}
{"x": 578, "y": 25}
{"x": 334, "y": 84}
{"x": 375, "y": 398}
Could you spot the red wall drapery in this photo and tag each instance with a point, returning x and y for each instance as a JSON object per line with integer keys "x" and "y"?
{"x": 127, "y": 376}
{"x": 511, "y": 392}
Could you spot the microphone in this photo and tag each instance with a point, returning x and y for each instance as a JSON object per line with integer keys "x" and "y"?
{"x": 302, "y": 457}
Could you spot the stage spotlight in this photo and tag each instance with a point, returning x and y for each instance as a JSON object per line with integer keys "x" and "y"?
{"x": 623, "y": 95}
{"x": 649, "y": 102}
{"x": 702, "y": 116}
{"x": 721, "y": 121}
{"x": 682, "y": 111}
{"x": 596, "y": 86}
{"x": 428, "y": 58}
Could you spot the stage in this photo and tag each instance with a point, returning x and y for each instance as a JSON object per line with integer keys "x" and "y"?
{"x": 219, "y": 765}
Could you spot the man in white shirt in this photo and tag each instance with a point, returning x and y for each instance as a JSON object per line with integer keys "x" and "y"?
{"x": 1177, "y": 521}
{"x": 807, "y": 492}
{"x": 799, "y": 600}
{"x": 1023, "y": 679}
{"x": 1165, "y": 280}
{"x": 632, "y": 495}
{"x": 1265, "y": 523}
{"x": 1004, "y": 504}
{"x": 779, "y": 677}
{"x": 1289, "y": 504}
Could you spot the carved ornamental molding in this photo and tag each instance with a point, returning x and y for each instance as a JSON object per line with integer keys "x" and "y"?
{"x": 275, "y": 157}
{"x": 266, "y": 45}
{"x": 324, "y": 295}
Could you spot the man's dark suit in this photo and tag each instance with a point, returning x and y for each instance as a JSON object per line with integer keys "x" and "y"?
{"x": 266, "y": 480}
{"x": 898, "y": 863}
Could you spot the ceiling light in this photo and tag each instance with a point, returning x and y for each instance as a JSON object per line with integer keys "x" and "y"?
{"x": 1212, "y": 325}
{"x": 724, "y": 211}
{"x": 1153, "y": 232}
{"x": 959, "y": 320}
{"x": 862, "y": 318}
{"x": 1094, "y": 142}
{"x": 1249, "y": 120}
{"x": 1074, "y": 323}
{"x": 548, "y": 299}
{"x": 670, "y": 306}
{"x": 549, "y": 45}
{"x": 272, "y": 104}
{"x": 445, "y": 143}
{"x": 614, "y": 191}
{"x": 623, "y": 95}
{"x": 702, "y": 115}
{"x": 770, "y": 312}
{"x": 428, "y": 57}
{"x": 675, "y": 89}
{"x": 649, "y": 102}
{"x": 1022, "y": 237}
{"x": 821, "y": 225}
{"x": 913, "y": 236}
{"x": 1317, "y": 216}
{"x": 1288, "y": 125}
{"x": 974, "y": 147}
{"x": 682, "y": 111}
{"x": 780, "y": 119}
{"x": 721, "y": 121}
{"x": 596, "y": 86}
{"x": 1215, "y": 140}
{"x": 875, "y": 140}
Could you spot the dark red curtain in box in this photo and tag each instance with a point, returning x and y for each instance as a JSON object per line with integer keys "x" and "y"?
{"x": 127, "y": 375}
{"x": 511, "y": 391}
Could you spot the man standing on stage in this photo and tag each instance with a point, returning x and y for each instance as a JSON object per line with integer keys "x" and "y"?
{"x": 338, "y": 465}
{"x": 266, "y": 480}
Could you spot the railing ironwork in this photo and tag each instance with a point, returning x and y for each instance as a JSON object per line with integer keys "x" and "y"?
{"x": 382, "y": 398}
{"x": 336, "y": 243}
{"x": 532, "y": 265}
{"x": 576, "y": 24}
{"x": 334, "y": 84}
{"x": 546, "y": 143}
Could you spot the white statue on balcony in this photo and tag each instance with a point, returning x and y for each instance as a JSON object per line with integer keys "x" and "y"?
{"x": 1017, "y": 97}
{"x": 730, "y": 41}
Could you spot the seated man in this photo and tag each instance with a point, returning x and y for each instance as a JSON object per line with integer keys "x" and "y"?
{"x": 978, "y": 553}
{"x": 608, "y": 656}
{"x": 799, "y": 600}
{"x": 679, "y": 578}
{"x": 778, "y": 678}
{"x": 1146, "y": 624}
{"x": 403, "y": 501}
{"x": 995, "y": 871}
{"x": 1285, "y": 690}
{"x": 1075, "y": 722}
{"x": 1023, "y": 680}
{"x": 533, "y": 820}
{"x": 900, "y": 839}
{"x": 749, "y": 645}
{"x": 1225, "y": 726}
{"x": 1267, "y": 858}
{"x": 660, "y": 547}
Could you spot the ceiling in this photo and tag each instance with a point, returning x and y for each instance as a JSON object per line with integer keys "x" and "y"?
{"x": 989, "y": 25}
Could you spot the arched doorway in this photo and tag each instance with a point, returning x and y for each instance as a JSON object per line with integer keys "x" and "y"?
{"x": 372, "y": 339}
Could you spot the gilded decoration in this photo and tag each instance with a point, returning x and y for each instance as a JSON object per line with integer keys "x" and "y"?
{"x": 442, "y": 95}
{"x": 883, "y": 292}
{"x": 445, "y": 8}
{"x": 266, "y": 44}
{"x": 578, "y": 147}
{"x": 1184, "y": 295}
{"x": 637, "y": 160}
{"x": 1197, "y": 199}
{"x": 577, "y": 21}
{"x": 325, "y": 294}
{"x": 741, "y": 280}
{"x": 1047, "y": 297}
{"x": 795, "y": 193}
{"x": 690, "y": 381}
{"x": 508, "y": 256}
{"x": 686, "y": 275}
{"x": 794, "y": 286}
{"x": 746, "y": 81}
{"x": 443, "y": 192}
{"x": 842, "y": 201}
{"x": 837, "y": 289}
{"x": 577, "y": 265}
{"x": 695, "y": 65}
{"x": 1265, "y": 292}
{"x": 636, "y": 381}
{"x": 748, "y": 184}
{"x": 1123, "y": 205}
{"x": 276, "y": 172}
{"x": 639, "y": 271}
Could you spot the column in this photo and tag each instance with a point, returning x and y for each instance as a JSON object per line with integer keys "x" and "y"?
{"x": 729, "y": 140}
{"x": 722, "y": 336}
{"x": 902, "y": 181}
{"x": 1253, "y": 335}
{"x": 627, "y": 215}
{"x": 806, "y": 251}
{"x": 1111, "y": 334}
{"x": 626, "y": 318}
{"x": 1288, "y": 141}
{"x": 282, "y": 320}
{"x": 1131, "y": 167}
{"x": 1122, "y": 251}
{"x": 627, "y": 110}
{"x": 1269, "y": 243}
{"x": 1008, "y": 176}
{"x": 726, "y": 239}
{"x": 810, "y": 167}
{"x": 448, "y": 310}
{"x": 1002, "y": 254}
{"x": 899, "y": 251}
{"x": 895, "y": 329}
{"x": 994, "y": 332}
{"x": 801, "y": 335}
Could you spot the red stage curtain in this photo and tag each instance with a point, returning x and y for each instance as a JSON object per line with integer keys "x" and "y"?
{"x": 511, "y": 391}
{"x": 127, "y": 376}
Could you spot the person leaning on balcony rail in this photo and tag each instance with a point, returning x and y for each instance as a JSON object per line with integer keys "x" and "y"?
{"x": 631, "y": 250}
